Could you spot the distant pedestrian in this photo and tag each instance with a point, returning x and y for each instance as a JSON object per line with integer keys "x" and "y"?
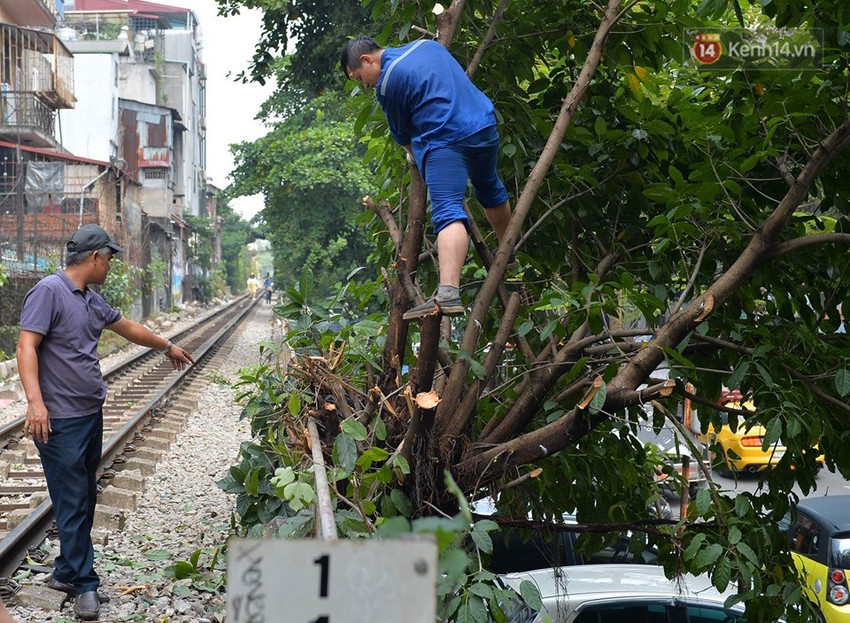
{"x": 268, "y": 285}
{"x": 253, "y": 284}
{"x": 61, "y": 324}
{"x": 448, "y": 129}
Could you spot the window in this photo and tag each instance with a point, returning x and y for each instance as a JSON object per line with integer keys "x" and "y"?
{"x": 841, "y": 551}
{"x": 806, "y": 537}
{"x": 156, "y": 173}
{"x": 657, "y": 613}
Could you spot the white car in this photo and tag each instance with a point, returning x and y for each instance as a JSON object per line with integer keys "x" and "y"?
{"x": 620, "y": 593}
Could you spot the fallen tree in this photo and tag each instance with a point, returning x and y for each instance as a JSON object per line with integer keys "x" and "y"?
{"x": 665, "y": 218}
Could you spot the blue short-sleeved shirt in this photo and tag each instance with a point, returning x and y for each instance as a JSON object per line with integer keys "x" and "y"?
{"x": 71, "y": 321}
{"x": 428, "y": 99}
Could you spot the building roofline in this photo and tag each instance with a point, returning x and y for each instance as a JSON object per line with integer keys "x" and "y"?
{"x": 55, "y": 154}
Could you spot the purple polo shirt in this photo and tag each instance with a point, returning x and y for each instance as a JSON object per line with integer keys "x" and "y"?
{"x": 71, "y": 321}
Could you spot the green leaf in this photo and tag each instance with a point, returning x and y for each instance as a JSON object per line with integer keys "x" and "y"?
{"x": 708, "y": 556}
{"x": 694, "y": 547}
{"x": 485, "y": 591}
{"x": 531, "y": 595}
{"x": 599, "y": 126}
{"x": 183, "y": 569}
{"x": 355, "y": 429}
{"x": 747, "y": 552}
{"x": 401, "y": 462}
{"x": 282, "y": 476}
{"x": 158, "y": 554}
{"x": 598, "y": 400}
{"x": 305, "y": 284}
{"x": 180, "y": 590}
{"x": 842, "y": 382}
{"x": 734, "y": 381}
{"x": 749, "y": 163}
{"x": 345, "y": 452}
{"x": 380, "y": 428}
{"x": 401, "y": 502}
{"x": 722, "y": 574}
{"x": 703, "y": 501}
{"x": 482, "y": 540}
{"x": 773, "y": 431}
{"x": 294, "y": 404}
{"x": 473, "y": 610}
{"x": 394, "y": 527}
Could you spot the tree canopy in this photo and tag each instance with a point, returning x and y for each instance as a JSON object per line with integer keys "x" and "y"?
{"x": 666, "y": 216}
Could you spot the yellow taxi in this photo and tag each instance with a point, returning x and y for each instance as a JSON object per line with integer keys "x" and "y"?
{"x": 819, "y": 538}
{"x": 743, "y": 449}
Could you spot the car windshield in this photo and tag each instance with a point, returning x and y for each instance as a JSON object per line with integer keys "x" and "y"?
{"x": 841, "y": 551}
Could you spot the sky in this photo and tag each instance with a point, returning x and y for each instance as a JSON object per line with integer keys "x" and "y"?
{"x": 228, "y": 45}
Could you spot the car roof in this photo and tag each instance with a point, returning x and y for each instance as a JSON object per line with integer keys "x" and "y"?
{"x": 830, "y": 511}
{"x": 616, "y": 580}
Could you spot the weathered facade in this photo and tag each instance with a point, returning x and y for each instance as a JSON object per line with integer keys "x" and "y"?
{"x": 36, "y": 73}
{"x": 144, "y": 80}
{"x": 126, "y": 150}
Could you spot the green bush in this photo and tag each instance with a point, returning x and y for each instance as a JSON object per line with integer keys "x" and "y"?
{"x": 119, "y": 289}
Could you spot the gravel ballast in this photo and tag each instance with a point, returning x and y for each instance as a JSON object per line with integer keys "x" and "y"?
{"x": 181, "y": 510}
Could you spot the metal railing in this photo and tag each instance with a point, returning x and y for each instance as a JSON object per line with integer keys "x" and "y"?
{"x": 26, "y": 110}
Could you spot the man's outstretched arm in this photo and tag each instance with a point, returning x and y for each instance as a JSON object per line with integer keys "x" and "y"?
{"x": 138, "y": 334}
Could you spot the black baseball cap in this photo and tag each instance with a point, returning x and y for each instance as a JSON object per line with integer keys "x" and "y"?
{"x": 91, "y": 237}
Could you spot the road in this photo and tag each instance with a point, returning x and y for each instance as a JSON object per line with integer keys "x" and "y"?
{"x": 828, "y": 483}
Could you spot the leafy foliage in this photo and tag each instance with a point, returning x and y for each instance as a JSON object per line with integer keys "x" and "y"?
{"x": 119, "y": 289}
{"x": 308, "y": 167}
{"x": 689, "y": 220}
{"x": 235, "y": 234}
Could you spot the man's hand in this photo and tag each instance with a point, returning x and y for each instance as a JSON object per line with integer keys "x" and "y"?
{"x": 180, "y": 358}
{"x": 37, "y": 423}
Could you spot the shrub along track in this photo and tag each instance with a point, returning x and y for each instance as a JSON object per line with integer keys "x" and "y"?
{"x": 147, "y": 403}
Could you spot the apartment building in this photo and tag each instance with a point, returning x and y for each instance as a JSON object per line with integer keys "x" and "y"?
{"x": 140, "y": 76}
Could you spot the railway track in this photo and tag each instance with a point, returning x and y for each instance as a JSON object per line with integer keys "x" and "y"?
{"x": 147, "y": 401}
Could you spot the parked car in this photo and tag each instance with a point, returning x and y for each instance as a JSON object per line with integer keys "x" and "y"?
{"x": 620, "y": 593}
{"x": 819, "y": 537}
{"x": 515, "y": 550}
{"x": 744, "y": 449}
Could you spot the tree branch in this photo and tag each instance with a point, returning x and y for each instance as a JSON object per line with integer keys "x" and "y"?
{"x": 535, "y": 179}
{"x": 789, "y": 246}
{"x": 488, "y": 39}
{"x": 382, "y": 210}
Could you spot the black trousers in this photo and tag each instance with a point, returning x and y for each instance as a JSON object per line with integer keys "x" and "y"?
{"x": 70, "y": 459}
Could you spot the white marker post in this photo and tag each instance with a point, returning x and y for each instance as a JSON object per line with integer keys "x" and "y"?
{"x": 351, "y": 581}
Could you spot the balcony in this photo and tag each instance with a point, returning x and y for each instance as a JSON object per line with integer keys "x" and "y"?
{"x": 26, "y": 119}
{"x": 144, "y": 33}
{"x": 38, "y": 63}
{"x": 34, "y": 13}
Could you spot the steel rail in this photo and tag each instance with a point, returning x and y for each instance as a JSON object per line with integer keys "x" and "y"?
{"x": 31, "y": 531}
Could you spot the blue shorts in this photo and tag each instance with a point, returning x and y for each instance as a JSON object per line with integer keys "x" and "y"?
{"x": 448, "y": 168}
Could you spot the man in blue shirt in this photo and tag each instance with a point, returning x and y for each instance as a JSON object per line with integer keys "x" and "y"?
{"x": 61, "y": 324}
{"x": 448, "y": 129}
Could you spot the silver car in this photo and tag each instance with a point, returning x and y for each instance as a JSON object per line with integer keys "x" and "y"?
{"x": 620, "y": 593}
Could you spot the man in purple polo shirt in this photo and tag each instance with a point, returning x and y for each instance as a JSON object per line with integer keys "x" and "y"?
{"x": 61, "y": 324}
{"x": 448, "y": 129}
